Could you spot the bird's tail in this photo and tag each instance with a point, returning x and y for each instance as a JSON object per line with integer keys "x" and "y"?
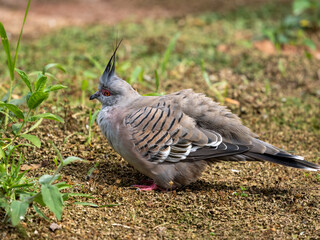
{"x": 285, "y": 159}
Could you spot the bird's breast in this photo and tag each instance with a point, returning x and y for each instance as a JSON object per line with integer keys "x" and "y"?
{"x": 109, "y": 124}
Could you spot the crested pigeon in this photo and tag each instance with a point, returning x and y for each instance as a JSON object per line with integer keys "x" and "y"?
{"x": 172, "y": 138}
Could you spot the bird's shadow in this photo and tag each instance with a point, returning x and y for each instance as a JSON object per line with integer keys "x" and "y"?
{"x": 122, "y": 175}
{"x": 201, "y": 185}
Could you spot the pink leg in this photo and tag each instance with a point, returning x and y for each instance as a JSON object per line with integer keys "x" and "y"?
{"x": 151, "y": 187}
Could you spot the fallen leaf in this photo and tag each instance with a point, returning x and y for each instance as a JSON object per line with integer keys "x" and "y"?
{"x": 265, "y": 46}
{"x": 290, "y": 49}
{"x": 232, "y": 101}
{"x": 25, "y": 167}
{"x": 316, "y": 54}
{"x": 222, "y": 48}
{"x": 53, "y": 227}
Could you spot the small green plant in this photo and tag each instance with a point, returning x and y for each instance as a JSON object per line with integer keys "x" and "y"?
{"x": 17, "y": 119}
{"x": 282, "y": 68}
{"x": 220, "y": 95}
{"x": 168, "y": 52}
{"x": 242, "y": 194}
{"x": 92, "y": 118}
{"x": 157, "y": 82}
{"x": 18, "y": 191}
{"x": 10, "y": 111}
{"x": 308, "y": 12}
{"x": 136, "y": 75}
{"x": 292, "y": 29}
{"x": 84, "y": 88}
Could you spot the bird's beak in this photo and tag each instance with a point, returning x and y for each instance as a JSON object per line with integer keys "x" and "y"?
{"x": 95, "y": 95}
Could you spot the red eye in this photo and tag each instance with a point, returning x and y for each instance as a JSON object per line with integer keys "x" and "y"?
{"x": 105, "y": 92}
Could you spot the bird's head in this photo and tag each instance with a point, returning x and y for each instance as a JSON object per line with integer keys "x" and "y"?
{"x": 113, "y": 90}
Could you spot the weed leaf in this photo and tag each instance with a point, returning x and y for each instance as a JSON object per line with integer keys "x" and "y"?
{"x": 36, "y": 99}
{"x": 25, "y": 78}
{"x": 41, "y": 82}
{"x": 300, "y": 5}
{"x": 69, "y": 160}
{"x": 309, "y": 43}
{"x": 53, "y": 199}
{"x": 37, "y": 210}
{"x": 62, "y": 185}
{"x": 34, "y": 126}
{"x": 52, "y": 65}
{"x": 33, "y": 139}
{"x": 39, "y": 199}
{"x": 14, "y": 109}
{"x": 50, "y": 116}
{"x": 55, "y": 88}
{"x": 18, "y": 210}
{"x": 47, "y": 179}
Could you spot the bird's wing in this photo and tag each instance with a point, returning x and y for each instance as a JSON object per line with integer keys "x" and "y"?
{"x": 162, "y": 132}
{"x": 186, "y": 126}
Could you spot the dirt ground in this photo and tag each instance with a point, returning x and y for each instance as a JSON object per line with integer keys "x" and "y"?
{"x": 231, "y": 200}
{"x": 47, "y": 15}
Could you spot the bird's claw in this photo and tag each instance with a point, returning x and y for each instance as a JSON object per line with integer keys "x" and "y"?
{"x": 151, "y": 187}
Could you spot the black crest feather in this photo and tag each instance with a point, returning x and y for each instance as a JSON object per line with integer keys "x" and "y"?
{"x": 109, "y": 71}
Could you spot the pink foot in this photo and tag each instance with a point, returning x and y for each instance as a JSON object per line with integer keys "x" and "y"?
{"x": 146, "y": 187}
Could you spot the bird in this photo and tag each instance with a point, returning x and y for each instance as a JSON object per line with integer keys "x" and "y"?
{"x": 173, "y": 138}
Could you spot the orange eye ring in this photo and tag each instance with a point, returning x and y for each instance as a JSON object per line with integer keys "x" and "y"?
{"x": 105, "y": 92}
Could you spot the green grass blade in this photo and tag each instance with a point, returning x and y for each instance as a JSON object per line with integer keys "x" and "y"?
{"x": 157, "y": 80}
{"x": 34, "y": 126}
{"x": 205, "y": 75}
{"x": 18, "y": 43}
{"x": 135, "y": 75}
{"x": 40, "y": 213}
{"x": 93, "y": 118}
{"x": 95, "y": 63}
{"x": 6, "y": 47}
{"x": 57, "y": 150}
{"x": 168, "y": 52}
{"x": 52, "y": 65}
{"x": 87, "y": 204}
